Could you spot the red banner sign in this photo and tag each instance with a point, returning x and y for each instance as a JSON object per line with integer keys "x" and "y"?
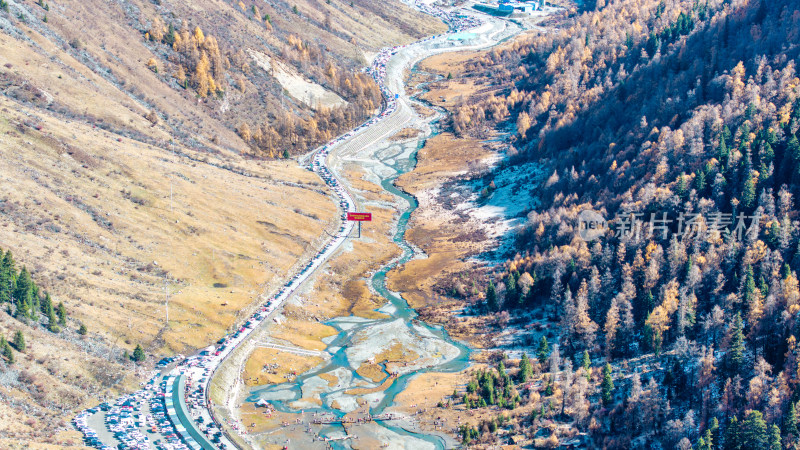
{"x": 359, "y": 216}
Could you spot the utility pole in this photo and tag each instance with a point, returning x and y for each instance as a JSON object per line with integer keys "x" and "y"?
{"x": 171, "y": 243}
{"x": 166, "y": 302}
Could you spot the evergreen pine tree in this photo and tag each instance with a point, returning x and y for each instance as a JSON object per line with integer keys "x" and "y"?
{"x": 491, "y": 298}
{"x": 82, "y": 331}
{"x": 713, "y": 433}
{"x": 608, "y": 385}
{"x": 706, "y": 442}
{"x": 723, "y": 150}
{"x": 762, "y": 285}
{"x": 19, "y": 341}
{"x": 700, "y": 181}
{"x": 50, "y": 313}
{"x": 62, "y": 314}
{"x": 23, "y": 296}
{"x": 46, "y": 305}
{"x": 732, "y": 441}
{"x": 33, "y": 310}
{"x": 6, "y": 349}
{"x": 736, "y": 351}
{"x": 8, "y": 276}
{"x": 169, "y": 38}
{"x": 681, "y": 186}
{"x": 138, "y": 354}
{"x": 775, "y": 438}
{"x": 749, "y": 192}
{"x": 511, "y": 292}
{"x": 749, "y": 288}
{"x": 525, "y": 370}
{"x": 753, "y": 431}
{"x": 790, "y": 422}
{"x": 793, "y": 148}
{"x": 586, "y": 363}
{"x": 543, "y": 351}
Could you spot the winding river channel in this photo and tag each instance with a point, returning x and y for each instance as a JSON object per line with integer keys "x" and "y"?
{"x": 335, "y": 388}
{"x": 430, "y": 348}
{"x": 437, "y": 350}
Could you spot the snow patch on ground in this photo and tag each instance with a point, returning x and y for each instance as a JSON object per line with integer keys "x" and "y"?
{"x": 506, "y": 207}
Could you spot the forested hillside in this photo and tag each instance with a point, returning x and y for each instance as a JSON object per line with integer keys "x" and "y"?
{"x": 678, "y": 122}
{"x": 205, "y": 72}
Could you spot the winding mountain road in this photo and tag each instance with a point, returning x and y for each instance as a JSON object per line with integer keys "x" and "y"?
{"x": 213, "y": 376}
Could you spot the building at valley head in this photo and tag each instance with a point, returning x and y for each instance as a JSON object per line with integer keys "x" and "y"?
{"x": 504, "y": 8}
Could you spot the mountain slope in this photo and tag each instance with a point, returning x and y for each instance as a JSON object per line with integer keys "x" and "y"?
{"x": 126, "y": 183}
{"x": 684, "y": 113}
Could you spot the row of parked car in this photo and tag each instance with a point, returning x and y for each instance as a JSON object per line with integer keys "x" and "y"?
{"x": 125, "y": 418}
{"x": 164, "y": 362}
{"x": 456, "y": 22}
{"x": 128, "y": 416}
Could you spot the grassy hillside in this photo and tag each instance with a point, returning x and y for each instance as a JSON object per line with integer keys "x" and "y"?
{"x": 149, "y": 58}
{"x": 126, "y": 178}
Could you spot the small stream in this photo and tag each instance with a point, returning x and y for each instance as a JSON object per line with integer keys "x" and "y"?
{"x": 445, "y": 355}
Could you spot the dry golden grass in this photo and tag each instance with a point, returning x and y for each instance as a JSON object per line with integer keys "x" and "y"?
{"x": 451, "y": 94}
{"x": 340, "y": 289}
{"x": 363, "y": 24}
{"x": 404, "y": 134}
{"x": 448, "y": 93}
{"x": 104, "y": 224}
{"x": 364, "y": 391}
{"x": 427, "y": 389}
{"x": 397, "y": 353}
{"x": 86, "y": 202}
{"x": 450, "y": 62}
{"x": 373, "y": 372}
{"x": 307, "y": 335}
{"x": 330, "y": 378}
{"x": 255, "y": 420}
{"x": 432, "y": 228}
{"x": 288, "y": 363}
{"x": 394, "y": 357}
{"x": 92, "y": 216}
{"x": 363, "y": 301}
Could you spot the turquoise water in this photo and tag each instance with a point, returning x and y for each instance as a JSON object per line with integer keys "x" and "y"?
{"x": 347, "y": 333}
